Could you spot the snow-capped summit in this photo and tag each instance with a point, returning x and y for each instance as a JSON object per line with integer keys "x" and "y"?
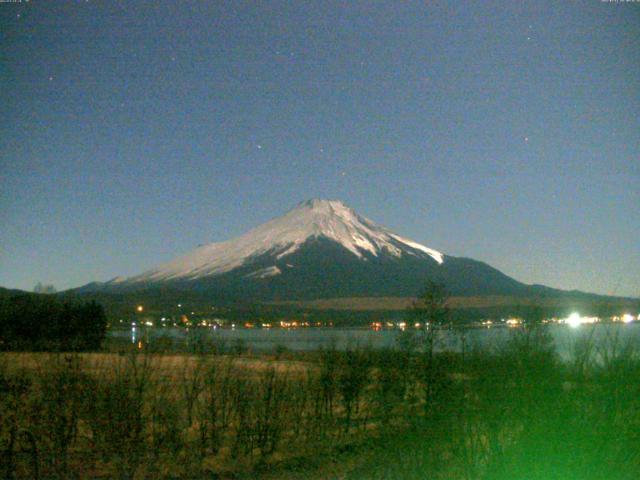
{"x": 312, "y": 219}
{"x": 318, "y": 249}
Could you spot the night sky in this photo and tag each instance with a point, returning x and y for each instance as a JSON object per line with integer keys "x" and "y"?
{"x": 507, "y": 132}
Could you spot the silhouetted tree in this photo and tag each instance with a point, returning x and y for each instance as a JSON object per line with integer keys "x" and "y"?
{"x": 47, "y": 289}
{"x": 431, "y": 310}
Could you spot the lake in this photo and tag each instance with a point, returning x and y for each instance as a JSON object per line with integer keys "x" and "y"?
{"x": 262, "y": 340}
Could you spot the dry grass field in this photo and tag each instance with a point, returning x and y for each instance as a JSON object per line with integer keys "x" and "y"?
{"x": 513, "y": 411}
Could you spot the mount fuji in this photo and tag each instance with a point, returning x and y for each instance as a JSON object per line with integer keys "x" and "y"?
{"x": 319, "y": 249}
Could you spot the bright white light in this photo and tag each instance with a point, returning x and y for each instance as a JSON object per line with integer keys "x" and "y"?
{"x": 573, "y": 320}
{"x": 627, "y": 318}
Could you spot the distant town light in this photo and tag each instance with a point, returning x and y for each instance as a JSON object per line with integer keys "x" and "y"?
{"x": 573, "y": 320}
{"x": 627, "y": 318}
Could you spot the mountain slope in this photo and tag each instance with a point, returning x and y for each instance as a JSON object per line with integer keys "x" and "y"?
{"x": 319, "y": 249}
{"x": 284, "y": 236}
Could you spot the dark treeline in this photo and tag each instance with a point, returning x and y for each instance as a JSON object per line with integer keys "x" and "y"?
{"x": 44, "y": 322}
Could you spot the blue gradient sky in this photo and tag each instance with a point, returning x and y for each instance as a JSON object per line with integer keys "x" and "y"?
{"x": 508, "y": 132}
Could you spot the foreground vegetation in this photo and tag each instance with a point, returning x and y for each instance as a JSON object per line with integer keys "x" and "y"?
{"x": 30, "y": 321}
{"x": 513, "y": 411}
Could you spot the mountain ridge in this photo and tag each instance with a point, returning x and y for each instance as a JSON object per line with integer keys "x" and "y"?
{"x": 283, "y": 236}
{"x": 319, "y": 249}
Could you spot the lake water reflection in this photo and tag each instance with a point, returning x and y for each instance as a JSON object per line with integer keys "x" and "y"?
{"x": 308, "y": 339}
